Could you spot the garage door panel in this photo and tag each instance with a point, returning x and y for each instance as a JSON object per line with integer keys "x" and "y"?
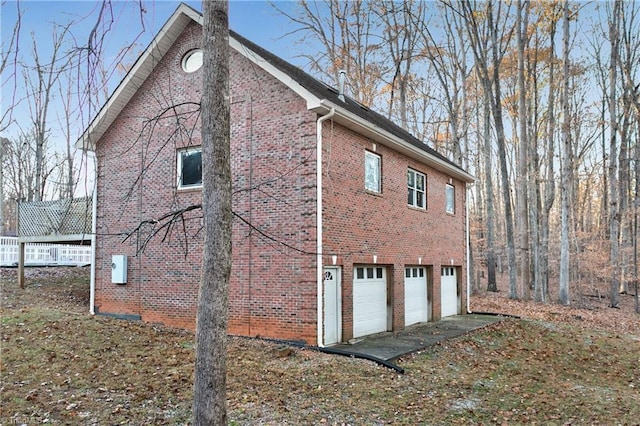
{"x": 449, "y": 292}
{"x": 416, "y": 304}
{"x": 369, "y": 301}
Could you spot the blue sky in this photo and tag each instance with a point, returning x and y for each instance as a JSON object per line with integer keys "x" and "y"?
{"x": 255, "y": 20}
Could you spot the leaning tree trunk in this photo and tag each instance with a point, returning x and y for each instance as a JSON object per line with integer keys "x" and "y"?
{"x": 210, "y": 397}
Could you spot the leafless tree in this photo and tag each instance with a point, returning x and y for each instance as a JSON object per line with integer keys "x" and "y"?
{"x": 350, "y": 35}
{"x": 210, "y": 398}
{"x": 9, "y": 60}
{"x": 40, "y": 81}
{"x": 490, "y": 24}
{"x": 614, "y": 213}
{"x": 566, "y": 163}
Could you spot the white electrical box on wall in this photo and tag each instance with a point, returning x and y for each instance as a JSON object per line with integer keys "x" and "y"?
{"x": 119, "y": 269}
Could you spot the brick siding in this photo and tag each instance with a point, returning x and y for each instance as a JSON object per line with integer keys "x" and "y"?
{"x": 273, "y": 282}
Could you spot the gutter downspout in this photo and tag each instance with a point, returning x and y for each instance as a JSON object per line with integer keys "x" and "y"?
{"x": 94, "y": 213}
{"x": 468, "y": 248}
{"x": 319, "y": 272}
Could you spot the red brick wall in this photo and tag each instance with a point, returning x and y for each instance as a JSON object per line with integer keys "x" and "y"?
{"x": 272, "y": 290}
{"x": 359, "y": 224}
{"x": 273, "y": 284}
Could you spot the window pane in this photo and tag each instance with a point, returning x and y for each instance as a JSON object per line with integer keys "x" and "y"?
{"x": 378, "y": 272}
{"x": 372, "y": 172}
{"x": 360, "y": 273}
{"x": 416, "y": 188}
{"x": 369, "y": 272}
{"x": 407, "y": 272}
{"x": 450, "y": 199}
{"x": 421, "y": 272}
{"x": 191, "y": 168}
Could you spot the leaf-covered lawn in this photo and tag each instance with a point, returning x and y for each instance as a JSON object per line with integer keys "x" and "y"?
{"x": 63, "y": 366}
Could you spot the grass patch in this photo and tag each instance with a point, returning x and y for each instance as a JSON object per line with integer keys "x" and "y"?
{"x": 63, "y": 366}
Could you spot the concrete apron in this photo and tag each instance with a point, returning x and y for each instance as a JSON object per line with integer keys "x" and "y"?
{"x": 392, "y": 345}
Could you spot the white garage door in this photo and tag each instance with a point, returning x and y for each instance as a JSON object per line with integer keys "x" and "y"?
{"x": 369, "y": 300}
{"x": 416, "y": 304}
{"x": 449, "y": 291}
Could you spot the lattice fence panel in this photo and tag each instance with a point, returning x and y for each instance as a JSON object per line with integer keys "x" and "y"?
{"x": 60, "y": 217}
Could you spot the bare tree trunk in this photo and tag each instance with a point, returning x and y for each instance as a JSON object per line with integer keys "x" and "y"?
{"x": 614, "y": 215}
{"x": 210, "y": 397}
{"x": 636, "y": 204}
{"x": 566, "y": 165}
{"x": 523, "y": 150}
{"x": 496, "y": 108}
{"x": 489, "y": 199}
{"x": 542, "y": 292}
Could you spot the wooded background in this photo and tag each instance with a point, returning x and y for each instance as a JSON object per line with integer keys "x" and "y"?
{"x": 540, "y": 100}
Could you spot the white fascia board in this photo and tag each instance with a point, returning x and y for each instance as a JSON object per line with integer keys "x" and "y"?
{"x": 142, "y": 68}
{"x": 377, "y": 134}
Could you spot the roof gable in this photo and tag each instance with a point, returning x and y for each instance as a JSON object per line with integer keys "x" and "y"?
{"x": 320, "y": 97}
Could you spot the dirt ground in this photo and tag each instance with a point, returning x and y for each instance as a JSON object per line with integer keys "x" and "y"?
{"x": 60, "y": 365}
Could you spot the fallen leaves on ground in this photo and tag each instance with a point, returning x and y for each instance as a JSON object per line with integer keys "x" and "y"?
{"x": 63, "y": 366}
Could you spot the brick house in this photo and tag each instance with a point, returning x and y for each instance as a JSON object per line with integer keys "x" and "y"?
{"x": 345, "y": 224}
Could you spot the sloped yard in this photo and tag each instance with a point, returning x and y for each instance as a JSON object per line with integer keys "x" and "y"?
{"x": 62, "y": 366}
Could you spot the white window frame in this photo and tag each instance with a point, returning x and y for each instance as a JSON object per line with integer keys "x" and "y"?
{"x": 192, "y": 61}
{"x": 179, "y": 155}
{"x": 414, "y": 191}
{"x": 372, "y": 175}
{"x": 450, "y": 199}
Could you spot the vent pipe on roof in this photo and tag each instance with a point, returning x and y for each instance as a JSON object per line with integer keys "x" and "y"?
{"x": 342, "y": 76}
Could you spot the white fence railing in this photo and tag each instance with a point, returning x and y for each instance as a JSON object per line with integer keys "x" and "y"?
{"x": 43, "y": 253}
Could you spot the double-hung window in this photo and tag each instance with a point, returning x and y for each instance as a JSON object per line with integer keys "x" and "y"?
{"x": 189, "y": 168}
{"x": 372, "y": 172}
{"x": 450, "y": 199}
{"x": 416, "y": 189}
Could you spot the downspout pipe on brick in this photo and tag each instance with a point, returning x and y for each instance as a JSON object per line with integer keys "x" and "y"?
{"x": 468, "y": 246}
{"x": 319, "y": 266}
{"x": 94, "y": 214}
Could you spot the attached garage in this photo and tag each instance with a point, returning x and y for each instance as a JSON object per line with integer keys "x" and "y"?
{"x": 370, "y": 311}
{"x": 449, "y": 292}
{"x": 416, "y": 301}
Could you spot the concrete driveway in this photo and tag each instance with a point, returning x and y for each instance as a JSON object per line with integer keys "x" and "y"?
{"x": 389, "y": 346}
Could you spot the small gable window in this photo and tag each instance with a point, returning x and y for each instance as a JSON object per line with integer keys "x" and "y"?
{"x": 192, "y": 60}
{"x": 372, "y": 172}
{"x": 450, "y": 199}
{"x": 416, "y": 189}
{"x": 189, "y": 168}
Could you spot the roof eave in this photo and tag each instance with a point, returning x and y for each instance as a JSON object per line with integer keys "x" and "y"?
{"x": 351, "y": 120}
{"x": 377, "y": 134}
